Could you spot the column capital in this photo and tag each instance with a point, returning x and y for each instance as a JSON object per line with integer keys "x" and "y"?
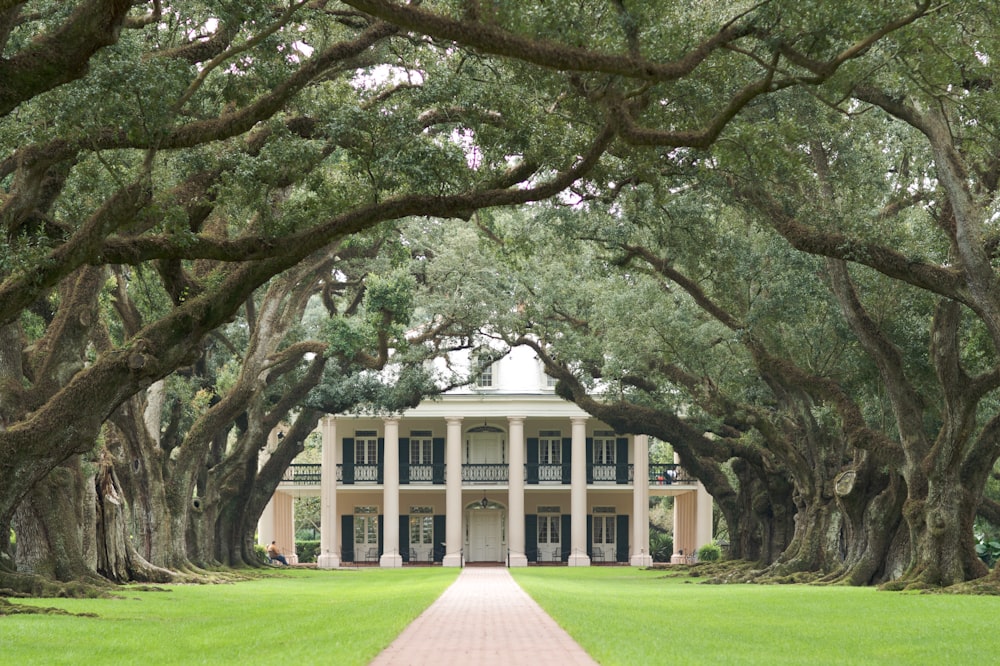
{"x": 453, "y": 420}
{"x": 516, "y": 419}
{"x": 390, "y": 419}
{"x": 578, "y": 420}
{"x": 329, "y": 418}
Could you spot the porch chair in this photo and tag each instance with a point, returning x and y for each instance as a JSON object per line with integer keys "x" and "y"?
{"x": 597, "y": 555}
{"x": 371, "y": 556}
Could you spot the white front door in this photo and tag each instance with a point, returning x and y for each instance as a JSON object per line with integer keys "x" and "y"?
{"x": 484, "y": 536}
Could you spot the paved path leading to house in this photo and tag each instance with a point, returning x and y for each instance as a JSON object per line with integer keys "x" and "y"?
{"x": 484, "y": 619}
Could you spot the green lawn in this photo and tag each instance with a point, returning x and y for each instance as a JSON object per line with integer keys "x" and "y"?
{"x": 622, "y": 615}
{"x": 297, "y": 617}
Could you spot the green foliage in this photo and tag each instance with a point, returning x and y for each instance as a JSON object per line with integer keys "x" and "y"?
{"x": 661, "y": 546}
{"x": 306, "y": 550}
{"x": 988, "y": 551}
{"x": 710, "y": 552}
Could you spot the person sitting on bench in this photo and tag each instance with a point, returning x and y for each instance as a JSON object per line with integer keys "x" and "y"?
{"x": 274, "y": 553}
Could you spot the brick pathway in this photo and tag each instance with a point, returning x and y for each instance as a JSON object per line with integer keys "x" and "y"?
{"x": 483, "y": 619}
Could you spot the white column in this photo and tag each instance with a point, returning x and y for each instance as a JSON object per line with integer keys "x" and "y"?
{"x": 329, "y": 550}
{"x": 284, "y": 525}
{"x": 640, "y": 556}
{"x": 578, "y": 494}
{"x": 703, "y": 519}
{"x": 515, "y": 500}
{"x": 265, "y": 524}
{"x": 685, "y": 506}
{"x": 390, "y": 497}
{"x": 453, "y": 494}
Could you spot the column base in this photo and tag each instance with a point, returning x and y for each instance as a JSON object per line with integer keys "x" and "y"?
{"x": 517, "y": 560}
{"x": 328, "y": 561}
{"x": 579, "y": 560}
{"x": 293, "y": 559}
{"x": 641, "y": 561}
{"x": 452, "y": 560}
{"x": 390, "y": 561}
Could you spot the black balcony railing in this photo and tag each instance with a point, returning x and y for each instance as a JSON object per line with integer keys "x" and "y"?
{"x": 664, "y": 475}
{"x": 659, "y": 474}
{"x": 303, "y": 474}
{"x": 429, "y": 473}
{"x": 485, "y": 473}
{"x": 547, "y": 473}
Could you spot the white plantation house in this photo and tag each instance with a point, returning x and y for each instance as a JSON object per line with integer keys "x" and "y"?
{"x": 503, "y": 472}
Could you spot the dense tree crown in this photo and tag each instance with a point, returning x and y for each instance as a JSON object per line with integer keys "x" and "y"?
{"x": 764, "y": 230}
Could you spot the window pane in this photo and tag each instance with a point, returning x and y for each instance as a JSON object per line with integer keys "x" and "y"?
{"x": 598, "y": 529}
{"x": 428, "y": 529}
{"x": 554, "y": 530}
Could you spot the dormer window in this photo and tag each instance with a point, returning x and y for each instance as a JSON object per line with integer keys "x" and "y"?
{"x": 484, "y": 375}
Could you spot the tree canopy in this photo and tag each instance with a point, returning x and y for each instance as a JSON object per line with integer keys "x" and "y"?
{"x": 798, "y": 197}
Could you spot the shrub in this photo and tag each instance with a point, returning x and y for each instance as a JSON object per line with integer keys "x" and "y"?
{"x": 260, "y": 552}
{"x": 710, "y": 552}
{"x": 987, "y": 550}
{"x": 661, "y": 546}
{"x": 306, "y": 550}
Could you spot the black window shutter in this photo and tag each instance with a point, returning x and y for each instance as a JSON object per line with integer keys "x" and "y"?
{"x": 590, "y": 460}
{"x": 404, "y": 537}
{"x": 531, "y": 537}
{"x": 532, "y": 460}
{"x": 437, "y": 458}
{"x": 621, "y": 460}
{"x": 566, "y": 535}
{"x": 347, "y": 538}
{"x": 439, "y": 537}
{"x": 349, "y": 463}
{"x": 590, "y": 535}
{"x": 381, "y": 466}
{"x": 621, "y": 540}
{"x": 567, "y": 460}
{"x": 381, "y": 532}
{"x": 404, "y": 459}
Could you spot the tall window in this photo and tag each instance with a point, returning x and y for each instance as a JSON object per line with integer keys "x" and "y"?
{"x": 548, "y": 530}
{"x": 550, "y": 447}
{"x": 421, "y": 525}
{"x": 483, "y": 365}
{"x": 365, "y": 526}
{"x": 604, "y": 525}
{"x": 604, "y": 447}
{"x": 421, "y": 445}
{"x": 365, "y": 447}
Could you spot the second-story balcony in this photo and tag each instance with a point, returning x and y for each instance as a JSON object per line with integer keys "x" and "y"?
{"x": 534, "y": 474}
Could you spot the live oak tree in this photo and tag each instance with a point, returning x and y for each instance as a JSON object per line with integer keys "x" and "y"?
{"x": 218, "y": 145}
{"x": 717, "y": 340}
{"x": 902, "y": 183}
{"x": 182, "y": 173}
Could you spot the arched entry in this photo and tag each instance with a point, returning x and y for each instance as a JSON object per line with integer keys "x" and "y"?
{"x": 485, "y": 531}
